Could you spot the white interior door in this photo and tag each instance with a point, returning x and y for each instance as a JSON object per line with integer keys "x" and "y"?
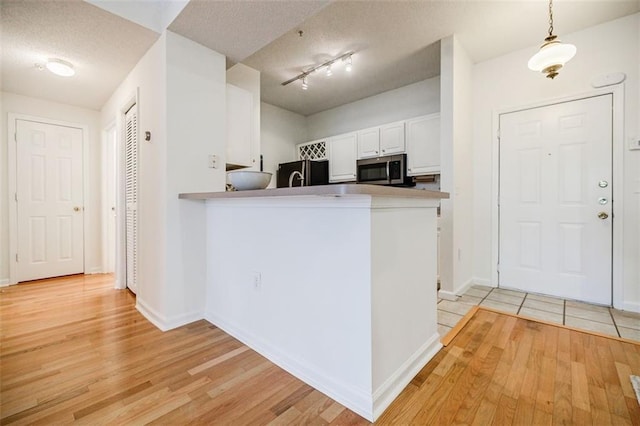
{"x": 131, "y": 197}
{"x": 555, "y": 200}
{"x": 49, "y": 198}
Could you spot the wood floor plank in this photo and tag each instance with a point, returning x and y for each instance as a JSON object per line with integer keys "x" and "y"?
{"x": 74, "y": 350}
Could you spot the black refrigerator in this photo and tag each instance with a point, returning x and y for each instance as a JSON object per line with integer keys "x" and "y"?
{"x": 303, "y": 173}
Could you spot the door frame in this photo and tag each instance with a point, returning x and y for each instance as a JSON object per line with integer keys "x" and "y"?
{"x": 617, "y": 207}
{"x": 12, "y": 182}
{"x": 105, "y": 197}
{"x": 133, "y": 100}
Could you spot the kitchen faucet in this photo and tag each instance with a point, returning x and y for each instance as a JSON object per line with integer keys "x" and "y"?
{"x": 297, "y": 172}
{"x": 292, "y": 175}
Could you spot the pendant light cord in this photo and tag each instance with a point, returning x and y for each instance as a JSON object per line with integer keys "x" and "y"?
{"x": 550, "y": 18}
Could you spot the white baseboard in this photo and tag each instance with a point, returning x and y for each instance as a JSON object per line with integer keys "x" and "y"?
{"x": 4, "y": 282}
{"x": 631, "y": 306}
{"x": 357, "y": 400}
{"x": 394, "y": 385}
{"x": 464, "y": 287}
{"x": 453, "y": 295}
{"x": 162, "y": 322}
{"x": 447, "y": 295}
{"x": 94, "y": 270}
{"x": 483, "y": 281}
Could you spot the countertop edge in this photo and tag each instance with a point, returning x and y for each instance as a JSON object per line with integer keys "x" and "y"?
{"x": 322, "y": 190}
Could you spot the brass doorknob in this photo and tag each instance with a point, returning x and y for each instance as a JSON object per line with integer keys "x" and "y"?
{"x": 76, "y": 209}
{"x": 603, "y": 215}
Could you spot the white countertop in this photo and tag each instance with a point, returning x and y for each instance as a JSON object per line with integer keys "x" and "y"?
{"x": 321, "y": 190}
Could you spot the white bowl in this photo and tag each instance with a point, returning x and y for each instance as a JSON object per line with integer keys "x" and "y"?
{"x": 243, "y": 180}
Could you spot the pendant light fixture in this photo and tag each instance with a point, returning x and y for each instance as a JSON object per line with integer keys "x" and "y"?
{"x": 553, "y": 54}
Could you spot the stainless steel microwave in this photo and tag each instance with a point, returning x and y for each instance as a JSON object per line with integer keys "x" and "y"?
{"x": 388, "y": 170}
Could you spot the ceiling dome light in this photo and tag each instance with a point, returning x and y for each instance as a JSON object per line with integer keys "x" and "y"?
{"x": 553, "y": 54}
{"x": 60, "y": 67}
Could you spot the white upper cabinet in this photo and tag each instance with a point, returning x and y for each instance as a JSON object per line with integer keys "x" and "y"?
{"x": 392, "y": 138}
{"x": 379, "y": 141}
{"x": 240, "y": 137}
{"x": 342, "y": 157}
{"x": 369, "y": 143}
{"x": 423, "y": 145}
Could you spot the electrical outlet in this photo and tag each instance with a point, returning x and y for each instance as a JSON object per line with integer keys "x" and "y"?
{"x": 213, "y": 161}
{"x": 257, "y": 280}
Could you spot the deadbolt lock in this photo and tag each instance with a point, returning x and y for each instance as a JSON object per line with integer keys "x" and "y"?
{"x": 603, "y": 184}
{"x": 76, "y": 209}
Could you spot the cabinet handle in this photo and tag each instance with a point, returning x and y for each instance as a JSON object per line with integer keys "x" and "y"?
{"x": 409, "y": 169}
{"x": 383, "y": 150}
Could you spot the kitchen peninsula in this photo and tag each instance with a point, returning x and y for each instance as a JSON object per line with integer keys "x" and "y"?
{"x": 336, "y": 283}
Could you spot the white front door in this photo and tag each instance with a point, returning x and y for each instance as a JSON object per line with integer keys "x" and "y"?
{"x": 49, "y": 200}
{"x": 555, "y": 200}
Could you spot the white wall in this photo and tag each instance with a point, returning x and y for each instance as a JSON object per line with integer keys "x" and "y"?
{"x": 281, "y": 130}
{"x": 456, "y": 178}
{"x": 506, "y": 82}
{"x": 12, "y": 103}
{"x": 248, "y": 79}
{"x": 181, "y": 100}
{"x": 410, "y": 101}
{"x": 196, "y": 128}
{"x": 147, "y": 81}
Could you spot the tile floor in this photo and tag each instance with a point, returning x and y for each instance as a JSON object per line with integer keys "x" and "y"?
{"x": 568, "y": 312}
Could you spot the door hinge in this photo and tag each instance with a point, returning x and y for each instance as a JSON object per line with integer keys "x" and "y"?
{"x": 15, "y": 196}
{"x": 498, "y": 267}
{"x": 15, "y": 137}
{"x": 17, "y": 259}
{"x": 498, "y": 134}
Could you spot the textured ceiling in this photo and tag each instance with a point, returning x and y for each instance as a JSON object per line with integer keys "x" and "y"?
{"x": 102, "y": 47}
{"x": 396, "y": 43}
{"x": 239, "y": 28}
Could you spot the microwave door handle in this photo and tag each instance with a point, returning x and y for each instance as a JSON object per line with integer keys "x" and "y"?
{"x": 388, "y": 174}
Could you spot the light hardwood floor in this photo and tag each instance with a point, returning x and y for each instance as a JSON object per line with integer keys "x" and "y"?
{"x": 74, "y": 349}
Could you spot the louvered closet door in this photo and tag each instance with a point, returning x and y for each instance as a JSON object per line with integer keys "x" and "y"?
{"x": 131, "y": 195}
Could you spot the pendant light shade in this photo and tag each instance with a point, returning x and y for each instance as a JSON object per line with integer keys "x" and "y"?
{"x": 553, "y": 54}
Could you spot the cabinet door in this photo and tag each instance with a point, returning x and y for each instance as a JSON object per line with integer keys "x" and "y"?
{"x": 239, "y": 127}
{"x": 423, "y": 145}
{"x": 392, "y": 138}
{"x": 342, "y": 158}
{"x": 369, "y": 143}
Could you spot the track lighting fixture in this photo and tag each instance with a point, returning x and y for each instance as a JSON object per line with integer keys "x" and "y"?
{"x": 346, "y": 58}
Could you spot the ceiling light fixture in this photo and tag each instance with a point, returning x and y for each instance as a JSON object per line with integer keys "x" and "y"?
{"x": 326, "y": 65}
{"x": 553, "y": 54}
{"x": 60, "y": 67}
